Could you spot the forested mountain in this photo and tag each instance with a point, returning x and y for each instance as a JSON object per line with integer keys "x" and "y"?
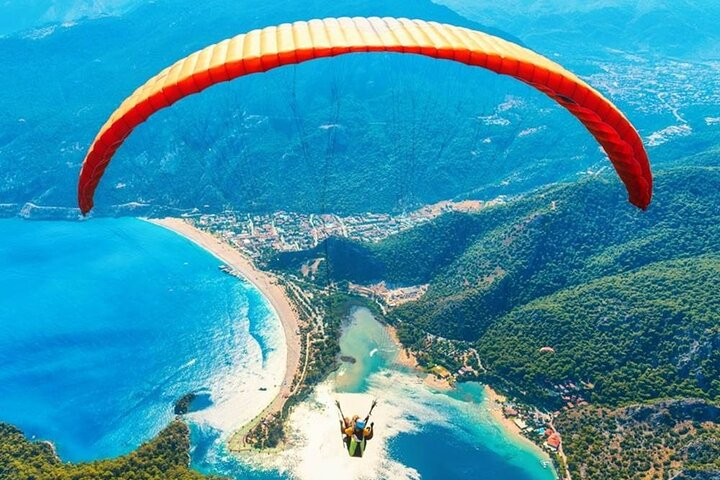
{"x": 677, "y": 439}
{"x": 648, "y": 333}
{"x": 351, "y": 134}
{"x": 166, "y": 457}
{"x": 566, "y": 236}
{"x": 482, "y": 266}
{"x": 627, "y": 302}
{"x": 628, "y": 299}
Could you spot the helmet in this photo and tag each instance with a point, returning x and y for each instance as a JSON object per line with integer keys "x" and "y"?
{"x": 360, "y": 424}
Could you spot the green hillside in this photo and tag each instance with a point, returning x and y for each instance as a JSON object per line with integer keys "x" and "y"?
{"x": 650, "y": 333}
{"x": 567, "y": 236}
{"x": 166, "y": 457}
{"x": 628, "y": 301}
{"x": 482, "y": 266}
{"x": 627, "y": 298}
{"x": 677, "y": 439}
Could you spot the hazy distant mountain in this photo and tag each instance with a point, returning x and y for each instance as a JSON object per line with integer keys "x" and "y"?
{"x": 685, "y": 28}
{"x": 356, "y": 133}
{"x": 261, "y": 143}
{"x": 21, "y": 15}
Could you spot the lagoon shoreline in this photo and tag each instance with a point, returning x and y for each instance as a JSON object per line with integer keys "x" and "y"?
{"x": 495, "y": 402}
{"x": 268, "y": 286}
{"x": 493, "y": 399}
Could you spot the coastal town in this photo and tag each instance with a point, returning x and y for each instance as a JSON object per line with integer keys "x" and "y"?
{"x": 386, "y": 296}
{"x": 539, "y": 426}
{"x": 448, "y": 362}
{"x": 256, "y": 235}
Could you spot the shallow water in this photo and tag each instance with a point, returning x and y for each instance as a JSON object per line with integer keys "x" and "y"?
{"x": 449, "y": 434}
{"x": 368, "y": 342}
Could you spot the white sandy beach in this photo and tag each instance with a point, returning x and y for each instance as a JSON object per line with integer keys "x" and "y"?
{"x": 494, "y": 401}
{"x": 267, "y": 284}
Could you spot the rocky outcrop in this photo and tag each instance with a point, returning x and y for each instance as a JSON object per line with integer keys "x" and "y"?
{"x": 670, "y": 412}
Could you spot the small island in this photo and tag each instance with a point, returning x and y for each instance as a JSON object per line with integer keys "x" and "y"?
{"x": 348, "y": 359}
{"x": 182, "y": 405}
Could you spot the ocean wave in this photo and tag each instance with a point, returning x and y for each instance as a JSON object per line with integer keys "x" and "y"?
{"x": 314, "y": 430}
{"x": 255, "y": 359}
{"x": 405, "y": 406}
{"x": 189, "y": 363}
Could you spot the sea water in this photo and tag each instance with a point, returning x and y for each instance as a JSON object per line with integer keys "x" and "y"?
{"x": 104, "y": 324}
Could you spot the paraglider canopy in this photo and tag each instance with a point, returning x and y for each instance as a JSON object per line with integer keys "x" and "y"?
{"x": 290, "y": 43}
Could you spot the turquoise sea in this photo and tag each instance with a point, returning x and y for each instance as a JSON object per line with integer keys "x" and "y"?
{"x": 103, "y": 324}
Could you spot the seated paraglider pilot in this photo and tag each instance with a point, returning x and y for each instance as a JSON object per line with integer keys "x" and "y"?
{"x": 363, "y": 431}
{"x": 356, "y": 432}
{"x": 356, "y": 427}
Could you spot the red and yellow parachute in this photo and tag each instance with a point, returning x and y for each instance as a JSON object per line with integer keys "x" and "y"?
{"x": 290, "y": 43}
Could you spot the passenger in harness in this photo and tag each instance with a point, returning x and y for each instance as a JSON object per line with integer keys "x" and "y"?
{"x": 356, "y": 432}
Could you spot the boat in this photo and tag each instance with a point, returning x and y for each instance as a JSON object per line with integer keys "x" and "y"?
{"x": 230, "y": 271}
